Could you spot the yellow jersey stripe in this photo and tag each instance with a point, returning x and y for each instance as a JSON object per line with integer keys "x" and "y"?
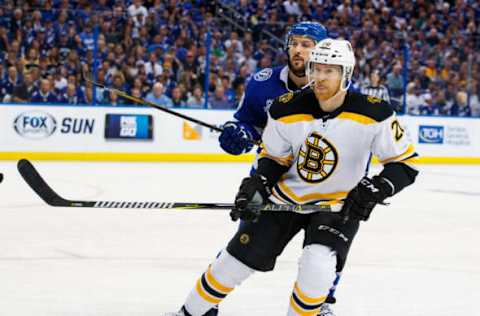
{"x": 359, "y": 118}
{"x": 410, "y": 150}
{"x": 205, "y": 295}
{"x": 307, "y": 299}
{"x": 285, "y": 161}
{"x": 300, "y": 311}
{"x": 295, "y": 118}
{"x": 414, "y": 159}
{"x": 334, "y": 196}
{"x": 215, "y": 284}
{"x": 277, "y": 196}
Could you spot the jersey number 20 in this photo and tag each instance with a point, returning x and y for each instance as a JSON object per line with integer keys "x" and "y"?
{"x": 397, "y": 130}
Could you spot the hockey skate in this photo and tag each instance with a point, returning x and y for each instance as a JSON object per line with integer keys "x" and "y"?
{"x": 183, "y": 312}
{"x": 179, "y": 313}
{"x": 325, "y": 310}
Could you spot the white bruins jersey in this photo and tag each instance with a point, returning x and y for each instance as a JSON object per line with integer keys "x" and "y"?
{"x": 327, "y": 153}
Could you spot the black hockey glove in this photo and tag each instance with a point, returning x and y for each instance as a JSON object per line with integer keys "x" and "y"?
{"x": 253, "y": 193}
{"x": 362, "y": 199}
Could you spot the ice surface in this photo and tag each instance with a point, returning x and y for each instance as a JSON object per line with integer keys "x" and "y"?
{"x": 418, "y": 256}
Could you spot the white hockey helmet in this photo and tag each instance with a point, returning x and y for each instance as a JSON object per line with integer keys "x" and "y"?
{"x": 334, "y": 52}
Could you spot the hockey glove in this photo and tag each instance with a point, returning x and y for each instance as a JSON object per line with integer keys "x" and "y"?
{"x": 253, "y": 193}
{"x": 362, "y": 199}
{"x": 237, "y": 138}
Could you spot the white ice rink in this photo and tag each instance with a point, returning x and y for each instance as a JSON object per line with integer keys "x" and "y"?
{"x": 418, "y": 256}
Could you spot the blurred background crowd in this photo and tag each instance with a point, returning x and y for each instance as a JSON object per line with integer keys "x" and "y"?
{"x": 422, "y": 56}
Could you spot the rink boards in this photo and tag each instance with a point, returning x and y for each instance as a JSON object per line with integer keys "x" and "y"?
{"x": 104, "y": 133}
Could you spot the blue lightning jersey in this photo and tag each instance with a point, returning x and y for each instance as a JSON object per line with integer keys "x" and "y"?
{"x": 262, "y": 88}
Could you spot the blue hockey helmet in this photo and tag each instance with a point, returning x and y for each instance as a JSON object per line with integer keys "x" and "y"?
{"x": 314, "y": 30}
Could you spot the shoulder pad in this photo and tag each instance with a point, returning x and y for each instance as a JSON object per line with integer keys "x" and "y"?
{"x": 369, "y": 106}
{"x": 293, "y": 103}
{"x": 284, "y": 98}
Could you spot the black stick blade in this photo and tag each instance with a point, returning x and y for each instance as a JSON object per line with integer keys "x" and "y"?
{"x": 37, "y": 184}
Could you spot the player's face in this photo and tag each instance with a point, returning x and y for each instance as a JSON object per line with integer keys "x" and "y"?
{"x": 299, "y": 48}
{"x": 326, "y": 80}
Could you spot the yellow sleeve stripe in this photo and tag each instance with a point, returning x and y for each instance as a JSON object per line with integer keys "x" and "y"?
{"x": 215, "y": 284}
{"x": 285, "y": 161}
{"x": 300, "y": 311}
{"x": 410, "y": 150}
{"x": 295, "y": 118}
{"x": 306, "y": 299}
{"x": 359, "y": 118}
{"x": 205, "y": 295}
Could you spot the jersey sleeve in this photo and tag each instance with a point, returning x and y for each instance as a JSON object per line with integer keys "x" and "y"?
{"x": 276, "y": 144}
{"x": 250, "y": 110}
{"x": 392, "y": 144}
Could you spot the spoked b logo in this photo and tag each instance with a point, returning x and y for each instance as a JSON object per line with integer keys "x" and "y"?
{"x": 35, "y": 124}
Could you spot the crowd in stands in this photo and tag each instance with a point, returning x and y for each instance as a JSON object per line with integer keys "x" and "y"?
{"x": 426, "y": 53}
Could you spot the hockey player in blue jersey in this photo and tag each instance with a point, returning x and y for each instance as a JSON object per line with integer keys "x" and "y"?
{"x": 267, "y": 84}
{"x": 264, "y": 86}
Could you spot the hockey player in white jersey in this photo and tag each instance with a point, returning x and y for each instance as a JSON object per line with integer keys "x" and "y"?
{"x": 263, "y": 87}
{"x": 315, "y": 147}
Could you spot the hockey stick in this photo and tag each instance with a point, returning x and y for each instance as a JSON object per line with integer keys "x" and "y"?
{"x": 49, "y": 196}
{"x": 159, "y": 107}
{"x": 153, "y": 105}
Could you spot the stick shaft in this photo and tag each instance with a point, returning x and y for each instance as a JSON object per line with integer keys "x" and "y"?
{"x": 156, "y": 106}
{"x": 36, "y": 182}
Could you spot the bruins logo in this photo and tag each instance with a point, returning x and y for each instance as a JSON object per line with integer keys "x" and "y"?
{"x": 284, "y": 98}
{"x": 373, "y": 99}
{"x": 317, "y": 159}
{"x": 244, "y": 239}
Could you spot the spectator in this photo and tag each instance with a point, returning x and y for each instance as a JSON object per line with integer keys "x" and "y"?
{"x": 440, "y": 101}
{"x": 157, "y": 96}
{"x": 30, "y": 60}
{"x": 292, "y": 7}
{"x": 413, "y": 99}
{"x": 113, "y": 99}
{"x": 60, "y": 82}
{"x": 137, "y": 93}
{"x": 234, "y": 43}
{"x": 45, "y": 93}
{"x": 196, "y": 100}
{"x": 152, "y": 67}
{"x": 23, "y": 92}
{"x": 73, "y": 95}
{"x": 139, "y": 14}
{"x": 219, "y": 100}
{"x": 238, "y": 86}
{"x": 428, "y": 107}
{"x": 395, "y": 82}
{"x": 7, "y": 84}
{"x": 460, "y": 106}
{"x": 474, "y": 100}
{"x": 177, "y": 98}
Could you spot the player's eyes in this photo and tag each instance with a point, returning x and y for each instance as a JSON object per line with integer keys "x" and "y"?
{"x": 302, "y": 44}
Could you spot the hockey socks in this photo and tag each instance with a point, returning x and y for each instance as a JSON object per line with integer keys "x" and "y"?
{"x": 316, "y": 273}
{"x": 221, "y": 277}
